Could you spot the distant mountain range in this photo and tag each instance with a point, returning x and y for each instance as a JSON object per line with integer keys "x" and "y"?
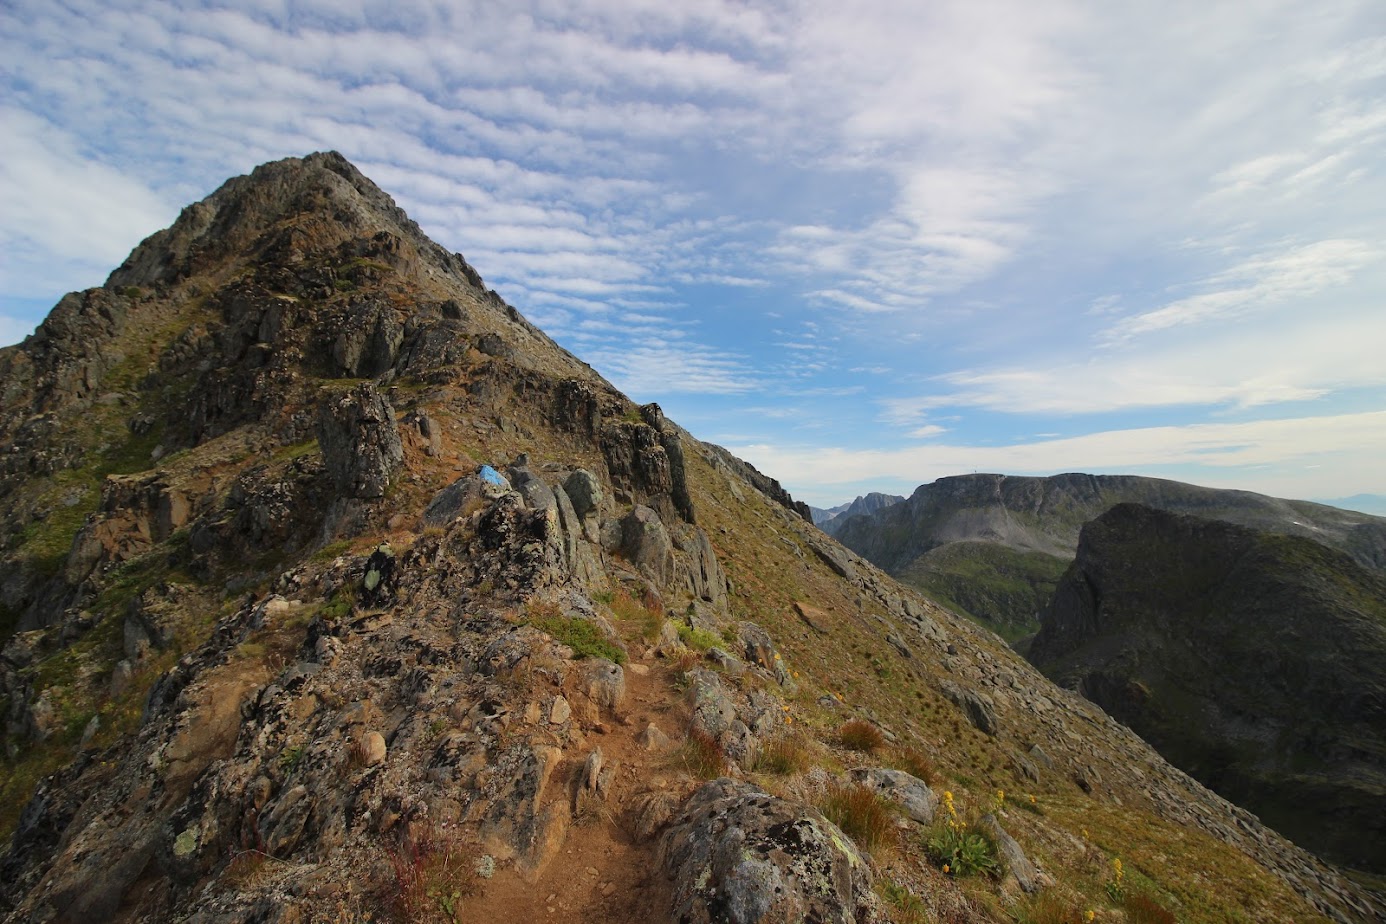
{"x": 995, "y": 546}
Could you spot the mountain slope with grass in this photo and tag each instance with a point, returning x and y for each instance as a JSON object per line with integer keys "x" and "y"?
{"x": 1253, "y": 660}
{"x": 336, "y": 590}
{"x": 994, "y": 546}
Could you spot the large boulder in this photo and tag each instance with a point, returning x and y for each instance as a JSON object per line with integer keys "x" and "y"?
{"x": 737, "y": 854}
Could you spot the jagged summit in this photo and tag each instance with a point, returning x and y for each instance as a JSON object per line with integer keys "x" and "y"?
{"x": 323, "y": 199}
{"x": 332, "y": 588}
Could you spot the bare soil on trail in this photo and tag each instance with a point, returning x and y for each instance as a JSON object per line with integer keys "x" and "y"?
{"x": 602, "y": 872}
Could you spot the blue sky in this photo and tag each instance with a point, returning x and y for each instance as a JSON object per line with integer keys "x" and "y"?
{"x": 864, "y": 245}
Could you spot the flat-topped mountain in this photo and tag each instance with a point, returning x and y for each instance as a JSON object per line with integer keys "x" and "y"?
{"x": 1256, "y": 661}
{"x": 995, "y": 546}
{"x": 336, "y": 590}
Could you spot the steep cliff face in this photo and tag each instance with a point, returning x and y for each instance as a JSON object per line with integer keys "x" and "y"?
{"x": 334, "y": 588}
{"x": 995, "y": 545}
{"x": 1256, "y": 662}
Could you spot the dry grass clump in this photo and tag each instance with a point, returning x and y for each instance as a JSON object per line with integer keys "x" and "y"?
{"x": 1047, "y": 907}
{"x": 857, "y": 735}
{"x": 702, "y": 756}
{"x": 647, "y": 613}
{"x": 434, "y": 873}
{"x": 914, "y": 762}
{"x": 862, "y": 814}
{"x": 782, "y": 756}
{"x": 1141, "y": 908}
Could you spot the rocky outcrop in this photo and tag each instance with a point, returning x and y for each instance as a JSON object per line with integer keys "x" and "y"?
{"x": 360, "y": 441}
{"x": 1252, "y": 660}
{"x": 737, "y": 854}
{"x": 766, "y": 485}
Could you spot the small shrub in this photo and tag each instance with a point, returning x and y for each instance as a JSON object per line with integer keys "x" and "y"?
{"x": 863, "y": 815}
{"x": 960, "y": 849}
{"x": 702, "y": 756}
{"x": 585, "y": 638}
{"x": 909, "y": 907}
{"x": 290, "y": 758}
{"x": 1116, "y": 886}
{"x": 1142, "y": 908}
{"x": 697, "y": 639}
{"x": 857, "y": 735}
{"x": 782, "y": 757}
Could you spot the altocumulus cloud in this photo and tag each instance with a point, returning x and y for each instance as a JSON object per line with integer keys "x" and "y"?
{"x": 675, "y": 190}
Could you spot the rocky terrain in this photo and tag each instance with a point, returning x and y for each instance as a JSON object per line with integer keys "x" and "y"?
{"x": 334, "y": 590}
{"x": 1255, "y": 661}
{"x": 994, "y": 546}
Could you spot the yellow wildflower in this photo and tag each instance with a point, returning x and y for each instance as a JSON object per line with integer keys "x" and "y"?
{"x": 1116, "y": 868}
{"x": 1090, "y": 915}
{"x": 945, "y": 869}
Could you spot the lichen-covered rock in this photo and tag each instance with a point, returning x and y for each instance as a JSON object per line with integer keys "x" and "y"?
{"x": 369, "y": 341}
{"x": 360, "y": 442}
{"x": 585, "y": 491}
{"x": 737, "y": 854}
{"x": 605, "y": 683}
{"x": 703, "y": 574}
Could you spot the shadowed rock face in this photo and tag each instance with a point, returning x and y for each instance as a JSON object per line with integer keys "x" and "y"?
{"x": 1256, "y": 662}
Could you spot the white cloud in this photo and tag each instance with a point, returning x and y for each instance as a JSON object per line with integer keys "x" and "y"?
{"x": 61, "y": 205}
{"x": 1296, "y": 273}
{"x": 1341, "y": 449}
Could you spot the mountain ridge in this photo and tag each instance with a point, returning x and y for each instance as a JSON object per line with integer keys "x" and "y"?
{"x": 324, "y": 558}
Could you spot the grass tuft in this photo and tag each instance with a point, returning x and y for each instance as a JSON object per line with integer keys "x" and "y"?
{"x": 863, "y": 815}
{"x": 702, "y": 756}
{"x": 584, "y": 637}
{"x": 914, "y": 762}
{"x": 858, "y": 735}
{"x": 782, "y": 756}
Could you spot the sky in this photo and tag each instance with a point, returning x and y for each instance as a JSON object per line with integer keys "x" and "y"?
{"x": 863, "y": 245}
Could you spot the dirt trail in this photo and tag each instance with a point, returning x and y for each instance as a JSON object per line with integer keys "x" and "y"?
{"x": 601, "y": 873}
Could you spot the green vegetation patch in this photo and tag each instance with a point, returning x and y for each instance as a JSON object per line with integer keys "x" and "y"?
{"x": 584, "y": 637}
